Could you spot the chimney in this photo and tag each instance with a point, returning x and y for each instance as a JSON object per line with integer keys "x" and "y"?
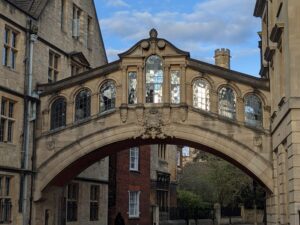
{"x": 222, "y": 57}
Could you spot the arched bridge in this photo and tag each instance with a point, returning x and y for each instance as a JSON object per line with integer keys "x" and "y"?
{"x": 155, "y": 93}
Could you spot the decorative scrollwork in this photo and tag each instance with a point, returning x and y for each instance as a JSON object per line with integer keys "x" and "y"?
{"x": 153, "y": 125}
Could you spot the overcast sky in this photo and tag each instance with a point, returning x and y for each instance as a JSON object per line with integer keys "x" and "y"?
{"x": 196, "y": 26}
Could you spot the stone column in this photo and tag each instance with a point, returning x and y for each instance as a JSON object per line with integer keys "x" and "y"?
{"x": 124, "y": 85}
{"x": 183, "y": 84}
{"x": 217, "y": 208}
{"x": 214, "y": 101}
{"x": 140, "y": 85}
{"x": 240, "y": 109}
{"x": 166, "y": 84}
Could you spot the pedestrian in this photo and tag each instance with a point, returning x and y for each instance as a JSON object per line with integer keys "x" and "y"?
{"x": 119, "y": 219}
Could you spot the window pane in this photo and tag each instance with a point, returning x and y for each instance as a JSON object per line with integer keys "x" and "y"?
{"x": 13, "y": 59}
{"x": 10, "y": 131}
{"x": 3, "y": 106}
{"x": 7, "y": 186}
{"x": 14, "y": 40}
{"x": 201, "y": 95}
{"x": 175, "y": 87}
{"x": 253, "y": 110}
{"x": 5, "y": 56}
{"x": 2, "y": 127}
{"x": 133, "y": 204}
{"x": 227, "y": 102}
{"x": 107, "y": 96}
{"x": 58, "y": 113}
{"x": 154, "y": 79}
{"x": 134, "y": 158}
{"x": 11, "y": 110}
{"x": 132, "y": 91}
{"x": 6, "y": 36}
{"x": 83, "y": 105}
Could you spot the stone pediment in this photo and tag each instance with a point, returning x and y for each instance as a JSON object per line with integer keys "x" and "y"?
{"x": 153, "y": 45}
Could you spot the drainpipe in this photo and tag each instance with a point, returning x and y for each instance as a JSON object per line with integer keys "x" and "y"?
{"x": 28, "y": 117}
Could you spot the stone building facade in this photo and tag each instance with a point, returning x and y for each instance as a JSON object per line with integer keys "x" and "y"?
{"x": 42, "y": 41}
{"x": 280, "y": 54}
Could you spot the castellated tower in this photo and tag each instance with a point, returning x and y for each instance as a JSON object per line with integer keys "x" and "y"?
{"x": 222, "y": 57}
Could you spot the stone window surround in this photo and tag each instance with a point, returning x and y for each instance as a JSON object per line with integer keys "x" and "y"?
{"x": 7, "y": 120}
{"x": 10, "y": 46}
{"x": 133, "y": 204}
{"x": 134, "y": 159}
{"x": 53, "y": 66}
{"x": 5, "y": 199}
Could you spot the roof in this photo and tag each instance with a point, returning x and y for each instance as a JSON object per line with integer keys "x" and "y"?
{"x": 32, "y": 7}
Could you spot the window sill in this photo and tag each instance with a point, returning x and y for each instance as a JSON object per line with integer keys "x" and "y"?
{"x": 134, "y": 171}
{"x": 107, "y": 112}
{"x": 133, "y": 217}
{"x": 9, "y": 69}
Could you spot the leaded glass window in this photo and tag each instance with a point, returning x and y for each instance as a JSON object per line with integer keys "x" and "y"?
{"x": 253, "y": 110}
{"x": 154, "y": 79}
{"x": 201, "y": 93}
{"x": 227, "y": 102}
{"x": 107, "y": 96}
{"x": 132, "y": 84}
{"x": 58, "y": 113}
{"x": 175, "y": 87}
{"x": 82, "y": 105}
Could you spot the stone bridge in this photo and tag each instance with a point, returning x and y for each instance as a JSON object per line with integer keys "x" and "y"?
{"x": 155, "y": 93}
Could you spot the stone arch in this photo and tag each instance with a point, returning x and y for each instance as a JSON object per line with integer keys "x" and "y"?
{"x": 233, "y": 86}
{"x": 66, "y": 163}
{"x": 259, "y": 94}
{"x": 77, "y": 89}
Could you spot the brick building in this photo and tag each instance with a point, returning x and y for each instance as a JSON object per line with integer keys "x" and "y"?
{"x": 143, "y": 184}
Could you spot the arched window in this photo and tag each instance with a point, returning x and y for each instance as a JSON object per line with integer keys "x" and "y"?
{"x": 201, "y": 95}
{"x": 175, "y": 87}
{"x": 253, "y": 110}
{"x": 227, "y": 102}
{"x": 107, "y": 96}
{"x": 154, "y": 79}
{"x": 82, "y": 105}
{"x": 58, "y": 113}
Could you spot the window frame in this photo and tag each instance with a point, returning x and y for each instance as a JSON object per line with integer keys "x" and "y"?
{"x": 230, "y": 111}
{"x": 72, "y": 202}
{"x": 53, "y": 66}
{"x": 7, "y": 120}
{"x": 63, "y": 117}
{"x": 173, "y": 85}
{"x": 136, "y": 203}
{"x": 151, "y": 92}
{"x": 249, "y": 122}
{"x": 134, "y": 159}
{"x": 5, "y": 199}
{"x": 204, "y": 97}
{"x": 112, "y": 104}
{"x": 83, "y": 103}
{"x": 10, "y": 49}
{"x": 76, "y": 20}
{"x": 94, "y": 202}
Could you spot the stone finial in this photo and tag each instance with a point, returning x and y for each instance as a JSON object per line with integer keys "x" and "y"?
{"x": 153, "y": 33}
{"x": 222, "y": 57}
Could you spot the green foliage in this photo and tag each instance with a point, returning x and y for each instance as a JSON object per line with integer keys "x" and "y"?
{"x": 215, "y": 180}
{"x": 188, "y": 199}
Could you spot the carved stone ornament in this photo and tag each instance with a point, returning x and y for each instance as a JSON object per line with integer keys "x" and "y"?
{"x": 257, "y": 141}
{"x": 123, "y": 113}
{"x": 161, "y": 44}
{"x": 145, "y": 45}
{"x": 153, "y": 126}
{"x": 50, "y": 143}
